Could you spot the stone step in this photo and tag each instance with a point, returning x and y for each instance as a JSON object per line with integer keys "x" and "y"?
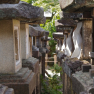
{"x": 18, "y": 75}
{"x": 24, "y": 76}
{"x": 23, "y": 79}
{"x": 22, "y": 72}
{"x": 31, "y": 59}
{"x": 33, "y": 81}
{"x": 9, "y": 91}
{"x": 26, "y": 87}
{"x": 3, "y": 89}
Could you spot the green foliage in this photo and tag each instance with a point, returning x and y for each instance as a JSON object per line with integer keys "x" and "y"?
{"x": 28, "y": 1}
{"x": 52, "y": 85}
{"x": 56, "y": 69}
{"x": 52, "y": 5}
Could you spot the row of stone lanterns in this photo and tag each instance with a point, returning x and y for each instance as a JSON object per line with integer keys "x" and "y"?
{"x": 18, "y": 69}
{"x": 76, "y": 50}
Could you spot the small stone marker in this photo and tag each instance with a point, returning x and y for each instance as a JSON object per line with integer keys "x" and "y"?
{"x": 91, "y": 73}
{"x": 85, "y": 68}
{"x": 91, "y": 91}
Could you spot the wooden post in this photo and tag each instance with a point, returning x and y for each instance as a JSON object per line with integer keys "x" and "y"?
{"x": 58, "y": 63}
{"x": 46, "y": 59}
{"x": 55, "y": 58}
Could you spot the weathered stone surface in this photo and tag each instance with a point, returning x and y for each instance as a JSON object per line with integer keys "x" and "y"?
{"x": 87, "y": 38}
{"x": 65, "y": 22}
{"x": 46, "y": 33}
{"x": 91, "y": 91}
{"x": 43, "y": 64}
{"x": 82, "y": 82}
{"x": 71, "y": 67}
{"x": 35, "y": 52}
{"x": 22, "y": 11}
{"x": 72, "y": 15}
{"x": 38, "y": 41}
{"x": 36, "y": 31}
{"x": 40, "y": 57}
{"x": 91, "y": 73}
{"x": 42, "y": 50}
{"x": 44, "y": 38}
{"x": 9, "y": 1}
{"x": 23, "y": 82}
{"x": 83, "y": 93}
{"x": 32, "y": 63}
{"x": 9, "y": 91}
{"x": 6, "y": 90}
{"x": 58, "y": 35}
{"x": 65, "y": 3}
{"x": 72, "y": 5}
{"x": 60, "y": 55}
{"x": 92, "y": 54}
{"x": 86, "y": 68}
{"x": 17, "y": 77}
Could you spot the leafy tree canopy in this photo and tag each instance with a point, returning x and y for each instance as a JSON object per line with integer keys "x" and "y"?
{"x": 52, "y": 5}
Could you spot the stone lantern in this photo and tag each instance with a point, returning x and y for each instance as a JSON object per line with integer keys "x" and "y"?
{"x": 39, "y": 32}
{"x": 45, "y": 45}
{"x": 66, "y": 26}
{"x": 59, "y": 36}
{"x": 83, "y": 36}
{"x": 14, "y": 44}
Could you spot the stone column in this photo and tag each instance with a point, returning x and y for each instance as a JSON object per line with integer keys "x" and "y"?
{"x": 43, "y": 65}
{"x": 38, "y": 42}
{"x": 30, "y": 39}
{"x": 87, "y": 38}
{"x": 25, "y": 48}
{"x": 92, "y": 39}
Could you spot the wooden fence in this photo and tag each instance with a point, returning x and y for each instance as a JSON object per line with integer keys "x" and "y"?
{"x": 50, "y": 59}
